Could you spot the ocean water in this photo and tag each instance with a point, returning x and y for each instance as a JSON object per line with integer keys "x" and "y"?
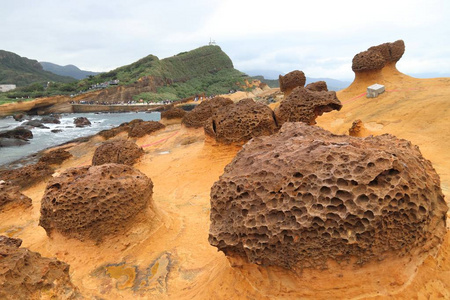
{"x": 44, "y": 138}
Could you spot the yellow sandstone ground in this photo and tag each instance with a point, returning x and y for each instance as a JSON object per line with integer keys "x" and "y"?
{"x": 167, "y": 256}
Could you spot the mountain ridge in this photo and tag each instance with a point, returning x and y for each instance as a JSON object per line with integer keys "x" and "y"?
{"x": 67, "y": 70}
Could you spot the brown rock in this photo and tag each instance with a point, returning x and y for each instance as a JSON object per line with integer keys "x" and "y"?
{"x": 139, "y": 129}
{"x": 55, "y": 157}
{"x": 317, "y": 86}
{"x": 119, "y": 152}
{"x": 92, "y": 202}
{"x": 370, "y": 60}
{"x": 304, "y": 196}
{"x": 197, "y": 117}
{"x": 304, "y": 105}
{"x": 81, "y": 122}
{"x": 27, "y": 275}
{"x": 28, "y": 175}
{"x": 358, "y": 129}
{"x": 391, "y": 52}
{"x": 290, "y": 81}
{"x": 10, "y": 193}
{"x": 240, "y": 122}
{"x": 173, "y": 113}
{"x": 17, "y": 133}
{"x": 109, "y": 133}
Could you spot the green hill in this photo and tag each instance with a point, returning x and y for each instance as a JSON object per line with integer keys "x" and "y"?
{"x": 69, "y": 70}
{"x": 22, "y": 71}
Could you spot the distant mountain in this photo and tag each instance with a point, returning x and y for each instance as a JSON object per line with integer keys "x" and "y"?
{"x": 69, "y": 70}
{"x": 22, "y": 71}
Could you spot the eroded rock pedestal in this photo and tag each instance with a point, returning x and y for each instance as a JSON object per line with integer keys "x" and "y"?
{"x": 304, "y": 197}
{"x": 95, "y": 201}
{"x": 197, "y": 117}
{"x": 118, "y": 152}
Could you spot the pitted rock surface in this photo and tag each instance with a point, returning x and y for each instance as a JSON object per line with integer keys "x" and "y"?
{"x": 94, "y": 201}
{"x": 10, "y": 193}
{"x": 139, "y": 129}
{"x": 303, "y": 196}
{"x": 173, "y": 113}
{"x": 290, "y": 81}
{"x": 197, "y": 117}
{"x": 55, "y": 157}
{"x": 317, "y": 86}
{"x": 27, "y": 275}
{"x": 119, "y": 152}
{"x": 391, "y": 52}
{"x": 376, "y": 57}
{"x": 240, "y": 122}
{"x": 304, "y": 105}
{"x": 17, "y": 133}
{"x": 27, "y": 175}
{"x": 358, "y": 129}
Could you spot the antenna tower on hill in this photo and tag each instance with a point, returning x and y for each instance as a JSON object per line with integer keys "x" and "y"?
{"x": 212, "y": 42}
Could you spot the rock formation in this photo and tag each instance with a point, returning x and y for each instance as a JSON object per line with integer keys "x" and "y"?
{"x": 119, "y": 152}
{"x": 81, "y": 122}
{"x": 109, "y": 133}
{"x": 290, "y": 81}
{"x": 10, "y": 193}
{"x": 28, "y": 175}
{"x": 240, "y": 122}
{"x": 34, "y": 123}
{"x": 17, "y": 133}
{"x": 304, "y": 196}
{"x": 140, "y": 129}
{"x": 305, "y": 105}
{"x": 317, "y": 86}
{"x": 376, "y": 57}
{"x": 27, "y": 275}
{"x": 50, "y": 119}
{"x": 55, "y": 157}
{"x": 7, "y": 142}
{"x": 358, "y": 129}
{"x": 92, "y": 202}
{"x": 173, "y": 113}
{"x": 197, "y": 117}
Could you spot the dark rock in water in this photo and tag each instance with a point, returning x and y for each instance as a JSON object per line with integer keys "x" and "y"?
{"x": 50, "y": 119}
{"x": 34, "y": 123}
{"x": 17, "y": 133}
{"x": 6, "y": 142}
{"x": 81, "y": 122}
{"x": 10, "y": 193}
{"x": 19, "y": 117}
{"x": 56, "y": 130}
{"x": 119, "y": 152}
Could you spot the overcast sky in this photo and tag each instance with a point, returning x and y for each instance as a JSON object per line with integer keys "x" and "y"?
{"x": 319, "y": 37}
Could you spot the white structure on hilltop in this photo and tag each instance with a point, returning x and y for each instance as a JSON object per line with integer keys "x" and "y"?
{"x": 212, "y": 42}
{"x": 7, "y": 87}
{"x": 374, "y": 90}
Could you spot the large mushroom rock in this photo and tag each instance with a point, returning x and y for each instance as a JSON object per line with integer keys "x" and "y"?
{"x": 240, "y": 122}
{"x": 10, "y": 194}
{"x": 55, "y": 157}
{"x": 317, "y": 86}
{"x": 197, "y": 117}
{"x": 173, "y": 113}
{"x": 290, "y": 81}
{"x": 27, "y": 275}
{"x": 92, "y": 202}
{"x": 377, "y": 57}
{"x": 304, "y": 105}
{"x": 119, "y": 152}
{"x": 17, "y": 133}
{"x": 304, "y": 196}
{"x": 81, "y": 122}
{"x": 391, "y": 52}
{"x": 28, "y": 175}
{"x": 139, "y": 129}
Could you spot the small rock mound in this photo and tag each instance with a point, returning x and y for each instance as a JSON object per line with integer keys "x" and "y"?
{"x": 173, "y": 113}
{"x": 17, "y": 133}
{"x": 92, "y": 202}
{"x": 197, "y": 117}
{"x": 240, "y": 122}
{"x": 358, "y": 129}
{"x": 55, "y": 157}
{"x": 290, "y": 81}
{"x": 10, "y": 193}
{"x": 317, "y": 86}
{"x": 376, "y": 57}
{"x": 27, "y": 275}
{"x": 304, "y": 196}
{"x": 81, "y": 122}
{"x": 119, "y": 152}
{"x": 304, "y": 105}
{"x": 139, "y": 129}
{"x": 28, "y": 175}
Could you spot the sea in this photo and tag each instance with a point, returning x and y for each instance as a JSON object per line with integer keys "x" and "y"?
{"x": 44, "y": 138}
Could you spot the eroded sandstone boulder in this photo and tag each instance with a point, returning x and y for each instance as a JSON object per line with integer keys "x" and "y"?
{"x": 303, "y": 196}
{"x": 119, "y": 152}
{"x": 391, "y": 52}
{"x": 27, "y": 275}
{"x": 240, "y": 122}
{"x": 376, "y": 57}
{"x": 305, "y": 105}
{"x": 173, "y": 113}
{"x": 197, "y": 117}
{"x": 358, "y": 129}
{"x": 27, "y": 175}
{"x": 55, "y": 157}
{"x": 92, "y": 202}
{"x": 10, "y": 194}
{"x": 139, "y": 129}
{"x": 290, "y": 81}
{"x": 317, "y": 86}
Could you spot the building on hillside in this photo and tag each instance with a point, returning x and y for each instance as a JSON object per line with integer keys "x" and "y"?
{"x": 7, "y": 87}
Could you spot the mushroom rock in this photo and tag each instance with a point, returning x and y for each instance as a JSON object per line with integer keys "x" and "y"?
{"x": 370, "y": 60}
{"x": 391, "y": 52}
{"x": 173, "y": 115}
{"x": 317, "y": 86}
{"x": 304, "y": 105}
{"x": 81, "y": 122}
{"x": 358, "y": 129}
{"x": 10, "y": 193}
{"x": 139, "y": 129}
{"x": 92, "y": 202}
{"x": 304, "y": 198}
{"x": 25, "y": 274}
{"x": 240, "y": 122}
{"x": 197, "y": 117}
{"x": 290, "y": 81}
{"x": 55, "y": 157}
{"x": 27, "y": 175}
{"x": 119, "y": 152}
